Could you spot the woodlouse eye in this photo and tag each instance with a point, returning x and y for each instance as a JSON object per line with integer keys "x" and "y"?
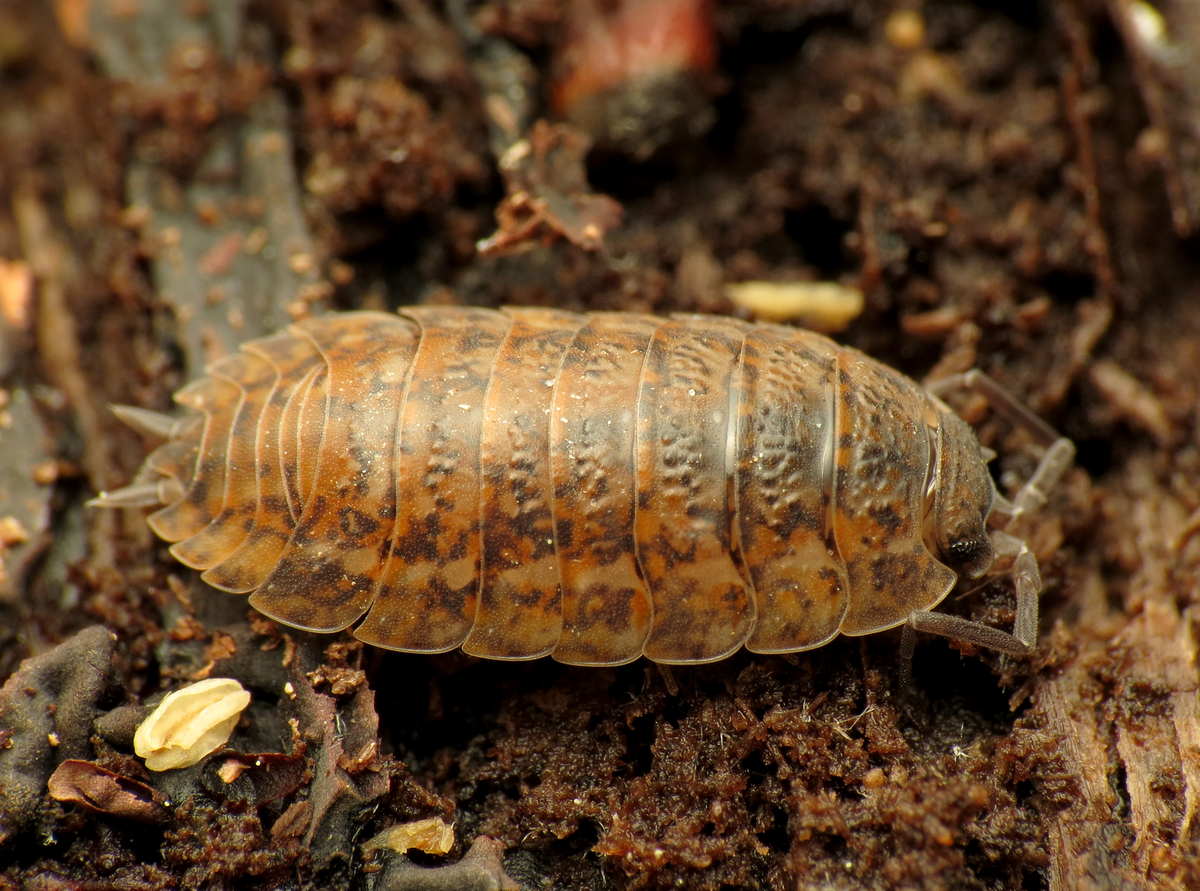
{"x": 971, "y": 556}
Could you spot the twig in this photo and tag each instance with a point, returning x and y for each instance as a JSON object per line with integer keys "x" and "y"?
{"x": 52, "y": 262}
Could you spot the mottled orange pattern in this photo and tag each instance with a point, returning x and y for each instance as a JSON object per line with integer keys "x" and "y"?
{"x": 430, "y": 589}
{"x": 520, "y": 604}
{"x": 880, "y": 472}
{"x": 703, "y": 607}
{"x": 784, "y": 489}
{"x": 295, "y": 361}
{"x": 593, "y": 425}
{"x": 215, "y": 398}
{"x": 329, "y": 573}
{"x": 593, "y": 487}
{"x": 255, "y": 377}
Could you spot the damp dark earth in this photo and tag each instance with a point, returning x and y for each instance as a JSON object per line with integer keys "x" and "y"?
{"x": 1013, "y": 187}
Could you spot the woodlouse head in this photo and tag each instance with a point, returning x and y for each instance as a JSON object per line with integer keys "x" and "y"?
{"x": 963, "y": 493}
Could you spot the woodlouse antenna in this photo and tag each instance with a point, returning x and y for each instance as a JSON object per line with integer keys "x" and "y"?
{"x": 1056, "y": 459}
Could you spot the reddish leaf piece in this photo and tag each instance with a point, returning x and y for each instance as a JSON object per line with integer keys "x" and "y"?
{"x": 101, "y": 791}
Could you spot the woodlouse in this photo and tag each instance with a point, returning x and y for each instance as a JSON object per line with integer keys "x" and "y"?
{"x": 597, "y": 487}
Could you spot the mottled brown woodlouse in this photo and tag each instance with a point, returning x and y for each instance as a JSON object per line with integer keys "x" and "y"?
{"x": 595, "y": 487}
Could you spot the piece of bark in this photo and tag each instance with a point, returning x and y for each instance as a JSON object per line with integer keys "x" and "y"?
{"x": 231, "y": 251}
{"x": 46, "y": 712}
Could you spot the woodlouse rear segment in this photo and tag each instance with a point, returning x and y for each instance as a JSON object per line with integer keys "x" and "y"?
{"x": 593, "y": 487}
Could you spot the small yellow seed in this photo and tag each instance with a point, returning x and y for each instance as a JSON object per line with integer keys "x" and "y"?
{"x": 828, "y": 306}
{"x": 190, "y": 724}
{"x": 430, "y": 835}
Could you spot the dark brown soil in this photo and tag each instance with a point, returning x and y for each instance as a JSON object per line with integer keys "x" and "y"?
{"x": 1016, "y": 189}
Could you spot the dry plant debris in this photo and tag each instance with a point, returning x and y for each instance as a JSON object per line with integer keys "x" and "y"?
{"x": 548, "y": 195}
{"x": 431, "y": 835}
{"x": 190, "y": 724}
{"x": 102, "y": 791}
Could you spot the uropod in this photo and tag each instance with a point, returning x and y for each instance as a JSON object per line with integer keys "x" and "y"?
{"x": 592, "y": 487}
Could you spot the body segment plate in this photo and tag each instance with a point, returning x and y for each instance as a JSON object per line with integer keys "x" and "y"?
{"x": 881, "y": 466}
{"x": 520, "y": 601}
{"x": 430, "y": 588}
{"x": 703, "y": 608}
{"x": 593, "y": 430}
{"x": 785, "y": 451}
{"x": 329, "y": 572}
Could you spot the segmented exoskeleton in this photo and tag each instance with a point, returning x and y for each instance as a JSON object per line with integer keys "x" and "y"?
{"x": 594, "y": 487}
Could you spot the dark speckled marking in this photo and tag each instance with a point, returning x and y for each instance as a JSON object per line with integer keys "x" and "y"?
{"x": 330, "y": 570}
{"x": 879, "y": 497}
{"x": 593, "y": 425}
{"x": 703, "y": 608}
{"x": 785, "y": 428}
{"x": 520, "y": 602}
{"x": 430, "y": 590}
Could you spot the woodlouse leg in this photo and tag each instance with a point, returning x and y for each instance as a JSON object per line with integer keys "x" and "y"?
{"x": 1027, "y": 580}
{"x": 958, "y": 628}
{"x": 1022, "y": 565}
{"x": 1059, "y": 454}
